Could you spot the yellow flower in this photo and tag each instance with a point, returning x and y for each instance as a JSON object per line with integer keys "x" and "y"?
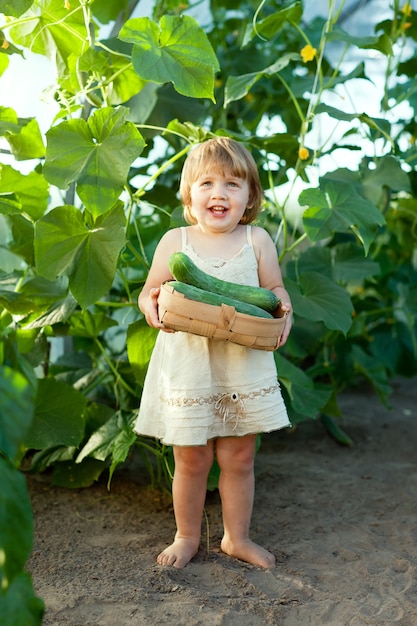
{"x": 406, "y": 25}
{"x": 303, "y": 153}
{"x": 67, "y": 5}
{"x": 407, "y": 9}
{"x": 5, "y": 44}
{"x": 308, "y": 53}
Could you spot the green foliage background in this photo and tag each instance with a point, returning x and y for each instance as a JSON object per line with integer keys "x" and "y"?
{"x": 83, "y": 206}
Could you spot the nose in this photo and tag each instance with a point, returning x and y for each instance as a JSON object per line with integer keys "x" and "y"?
{"x": 218, "y": 191}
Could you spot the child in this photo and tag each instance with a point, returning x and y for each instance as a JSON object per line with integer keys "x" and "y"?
{"x": 202, "y": 395}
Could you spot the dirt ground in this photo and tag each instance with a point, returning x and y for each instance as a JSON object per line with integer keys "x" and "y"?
{"x": 342, "y": 523}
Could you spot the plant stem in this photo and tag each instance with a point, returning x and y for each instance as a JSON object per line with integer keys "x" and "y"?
{"x": 109, "y": 362}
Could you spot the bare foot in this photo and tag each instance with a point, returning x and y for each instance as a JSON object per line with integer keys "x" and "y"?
{"x": 250, "y": 552}
{"x": 178, "y": 554}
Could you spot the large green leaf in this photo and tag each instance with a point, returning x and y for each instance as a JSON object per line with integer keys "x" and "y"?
{"x": 36, "y": 295}
{"x": 59, "y": 311}
{"x": 73, "y": 475}
{"x": 91, "y": 325}
{"x": 177, "y": 50}
{"x": 15, "y": 8}
{"x": 351, "y": 265}
{"x": 27, "y": 142}
{"x": 115, "y": 72}
{"x": 58, "y": 418}
{"x": 307, "y": 400}
{"x": 114, "y": 439}
{"x": 319, "y": 299}
{"x": 20, "y": 193}
{"x": 96, "y": 154}
{"x": 19, "y": 605}
{"x": 108, "y": 10}
{"x": 238, "y": 87}
{"x": 140, "y": 342}
{"x": 339, "y": 208}
{"x": 88, "y": 256}
{"x": 16, "y": 410}
{"x": 388, "y": 173}
{"x": 52, "y": 30}
{"x": 343, "y": 262}
{"x": 16, "y": 523}
{"x": 4, "y": 63}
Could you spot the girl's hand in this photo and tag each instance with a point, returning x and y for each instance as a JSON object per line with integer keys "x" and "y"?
{"x": 285, "y": 308}
{"x": 151, "y": 310}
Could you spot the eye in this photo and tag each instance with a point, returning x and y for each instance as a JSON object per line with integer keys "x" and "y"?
{"x": 232, "y": 183}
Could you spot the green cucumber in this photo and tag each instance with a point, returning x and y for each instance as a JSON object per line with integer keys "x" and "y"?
{"x": 208, "y": 297}
{"x": 186, "y": 271}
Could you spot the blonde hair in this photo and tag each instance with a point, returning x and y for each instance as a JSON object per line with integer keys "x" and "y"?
{"x": 222, "y": 155}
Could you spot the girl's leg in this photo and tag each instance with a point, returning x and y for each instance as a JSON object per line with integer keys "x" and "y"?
{"x": 235, "y": 456}
{"x": 189, "y": 488}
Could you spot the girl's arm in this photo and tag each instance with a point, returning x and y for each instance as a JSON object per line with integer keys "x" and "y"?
{"x": 158, "y": 273}
{"x": 270, "y": 276}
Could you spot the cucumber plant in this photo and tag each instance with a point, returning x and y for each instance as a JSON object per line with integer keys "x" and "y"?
{"x": 84, "y": 202}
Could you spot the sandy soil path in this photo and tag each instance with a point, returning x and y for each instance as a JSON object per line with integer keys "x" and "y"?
{"x": 341, "y": 521}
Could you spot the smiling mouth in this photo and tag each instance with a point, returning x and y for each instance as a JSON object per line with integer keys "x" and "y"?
{"x": 218, "y": 210}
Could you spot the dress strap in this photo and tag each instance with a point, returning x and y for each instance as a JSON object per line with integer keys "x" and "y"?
{"x": 183, "y": 238}
{"x": 249, "y": 234}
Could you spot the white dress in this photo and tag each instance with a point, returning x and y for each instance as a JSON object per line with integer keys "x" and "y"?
{"x": 198, "y": 389}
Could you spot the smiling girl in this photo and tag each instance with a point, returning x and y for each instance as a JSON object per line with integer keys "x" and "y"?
{"x": 207, "y": 397}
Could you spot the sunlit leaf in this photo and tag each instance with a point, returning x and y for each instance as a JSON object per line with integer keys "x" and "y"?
{"x": 4, "y": 63}
{"x": 9, "y": 205}
{"x": 88, "y": 256}
{"x": 115, "y": 72}
{"x": 140, "y": 342}
{"x": 15, "y": 8}
{"x": 115, "y": 434}
{"x": 26, "y": 144}
{"x": 177, "y": 50}
{"x": 96, "y": 154}
{"x": 50, "y": 29}
{"x": 30, "y": 192}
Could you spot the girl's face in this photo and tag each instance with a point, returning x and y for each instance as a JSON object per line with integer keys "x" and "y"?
{"x": 218, "y": 201}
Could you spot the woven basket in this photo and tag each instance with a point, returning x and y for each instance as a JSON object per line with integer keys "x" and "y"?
{"x": 223, "y": 322}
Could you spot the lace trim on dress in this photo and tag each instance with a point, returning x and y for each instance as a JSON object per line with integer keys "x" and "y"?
{"x": 241, "y": 268}
{"x": 229, "y": 405}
